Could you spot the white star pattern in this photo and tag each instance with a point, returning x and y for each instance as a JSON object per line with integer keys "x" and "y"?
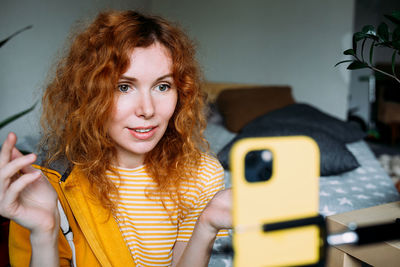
{"x": 227, "y": 262}
{"x": 355, "y": 188}
{"x": 340, "y": 191}
{"x": 362, "y": 197}
{"x": 326, "y": 212}
{"x": 324, "y": 194}
{"x": 370, "y": 186}
{"x": 344, "y": 201}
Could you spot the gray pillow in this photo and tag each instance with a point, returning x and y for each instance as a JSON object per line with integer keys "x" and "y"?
{"x": 310, "y": 117}
{"x": 335, "y": 158}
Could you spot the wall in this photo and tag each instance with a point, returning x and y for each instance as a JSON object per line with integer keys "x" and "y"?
{"x": 272, "y": 42}
{"x": 26, "y": 59}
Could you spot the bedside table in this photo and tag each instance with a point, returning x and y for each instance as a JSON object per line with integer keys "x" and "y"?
{"x": 378, "y": 254}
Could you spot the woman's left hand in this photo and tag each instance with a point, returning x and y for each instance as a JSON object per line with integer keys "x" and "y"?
{"x": 217, "y": 214}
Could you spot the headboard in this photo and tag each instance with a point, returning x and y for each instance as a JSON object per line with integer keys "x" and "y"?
{"x": 213, "y": 89}
{"x": 241, "y": 103}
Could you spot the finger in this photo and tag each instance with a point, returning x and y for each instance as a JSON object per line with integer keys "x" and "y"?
{"x": 13, "y": 167}
{"x": 10, "y": 171}
{"x": 15, "y": 153}
{"x": 6, "y": 149}
{"x": 15, "y": 189}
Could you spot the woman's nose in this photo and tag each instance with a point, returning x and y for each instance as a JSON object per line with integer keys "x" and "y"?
{"x": 145, "y": 107}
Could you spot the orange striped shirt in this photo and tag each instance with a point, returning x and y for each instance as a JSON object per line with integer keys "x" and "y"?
{"x": 146, "y": 225}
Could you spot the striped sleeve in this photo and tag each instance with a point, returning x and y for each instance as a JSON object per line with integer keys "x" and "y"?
{"x": 210, "y": 180}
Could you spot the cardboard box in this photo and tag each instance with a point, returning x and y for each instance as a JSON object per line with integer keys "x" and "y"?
{"x": 379, "y": 254}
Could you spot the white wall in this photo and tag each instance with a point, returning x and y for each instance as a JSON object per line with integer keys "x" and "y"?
{"x": 294, "y": 42}
{"x": 25, "y": 60}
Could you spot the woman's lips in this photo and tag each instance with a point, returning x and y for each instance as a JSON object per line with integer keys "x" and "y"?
{"x": 142, "y": 133}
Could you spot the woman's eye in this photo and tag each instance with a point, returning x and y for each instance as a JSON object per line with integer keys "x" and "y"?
{"x": 163, "y": 87}
{"x": 123, "y": 88}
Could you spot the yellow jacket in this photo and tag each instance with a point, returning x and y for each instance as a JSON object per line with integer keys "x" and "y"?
{"x": 97, "y": 238}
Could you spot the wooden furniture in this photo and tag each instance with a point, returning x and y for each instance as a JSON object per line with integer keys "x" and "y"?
{"x": 240, "y": 103}
{"x": 378, "y": 254}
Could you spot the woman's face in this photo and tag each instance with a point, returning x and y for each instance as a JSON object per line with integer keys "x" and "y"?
{"x": 145, "y": 100}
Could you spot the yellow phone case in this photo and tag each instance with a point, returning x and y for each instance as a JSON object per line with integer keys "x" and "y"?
{"x": 291, "y": 193}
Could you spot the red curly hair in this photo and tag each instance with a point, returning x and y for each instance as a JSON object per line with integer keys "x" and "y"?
{"x": 79, "y": 101}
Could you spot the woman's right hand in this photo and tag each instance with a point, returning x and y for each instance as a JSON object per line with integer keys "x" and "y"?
{"x": 26, "y": 196}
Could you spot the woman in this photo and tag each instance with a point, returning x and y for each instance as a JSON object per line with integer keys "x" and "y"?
{"x": 122, "y": 122}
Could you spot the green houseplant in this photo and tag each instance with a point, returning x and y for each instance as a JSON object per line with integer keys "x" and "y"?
{"x": 365, "y": 43}
{"x": 371, "y": 39}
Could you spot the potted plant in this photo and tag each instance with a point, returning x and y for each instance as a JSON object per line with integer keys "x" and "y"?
{"x": 375, "y": 38}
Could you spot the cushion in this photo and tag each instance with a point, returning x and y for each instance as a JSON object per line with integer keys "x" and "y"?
{"x": 335, "y": 158}
{"x": 331, "y": 135}
{"x": 239, "y": 106}
{"x": 309, "y": 116}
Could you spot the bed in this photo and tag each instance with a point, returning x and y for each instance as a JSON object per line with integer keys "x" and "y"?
{"x": 351, "y": 177}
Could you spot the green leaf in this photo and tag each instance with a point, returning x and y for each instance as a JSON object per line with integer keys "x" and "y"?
{"x": 16, "y": 116}
{"x": 359, "y": 36}
{"x": 394, "y": 62}
{"x": 394, "y": 17}
{"x": 343, "y": 61}
{"x": 368, "y": 29}
{"x": 371, "y": 52}
{"x": 349, "y": 52}
{"x": 383, "y": 31}
{"x": 3, "y": 42}
{"x": 357, "y": 65}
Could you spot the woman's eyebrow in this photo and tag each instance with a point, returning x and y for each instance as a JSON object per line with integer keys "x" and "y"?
{"x": 127, "y": 78}
{"x": 133, "y": 79}
{"x": 169, "y": 75}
